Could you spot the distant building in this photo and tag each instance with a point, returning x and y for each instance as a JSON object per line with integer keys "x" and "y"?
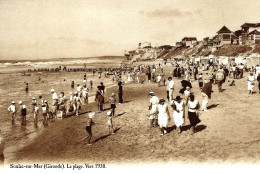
{"x": 223, "y": 37}
{"x": 189, "y": 41}
{"x": 178, "y": 44}
{"x": 249, "y": 29}
{"x": 254, "y": 37}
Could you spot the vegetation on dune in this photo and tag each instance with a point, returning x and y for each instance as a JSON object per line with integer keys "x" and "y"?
{"x": 233, "y": 50}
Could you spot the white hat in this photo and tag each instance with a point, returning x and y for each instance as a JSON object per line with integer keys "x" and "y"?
{"x": 109, "y": 113}
{"x": 33, "y": 98}
{"x": 91, "y": 114}
{"x": 24, "y": 106}
{"x": 187, "y": 87}
{"x": 70, "y": 93}
{"x": 45, "y": 101}
{"x": 52, "y": 90}
{"x": 20, "y": 102}
{"x": 13, "y": 102}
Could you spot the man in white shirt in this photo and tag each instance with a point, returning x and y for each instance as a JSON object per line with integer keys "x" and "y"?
{"x": 2, "y": 147}
{"x": 170, "y": 88}
{"x": 55, "y": 103}
{"x": 154, "y": 101}
{"x": 159, "y": 77}
{"x": 13, "y": 111}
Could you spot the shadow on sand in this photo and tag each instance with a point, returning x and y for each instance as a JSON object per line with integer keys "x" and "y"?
{"x": 212, "y": 106}
{"x": 105, "y": 136}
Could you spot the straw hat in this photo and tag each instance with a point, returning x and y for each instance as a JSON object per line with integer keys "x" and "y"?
{"x": 91, "y": 114}
{"x": 162, "y": 100}
{"x": 151, "y": 93}
{"x": 178, "y": 98}
{"x": 109, "y": 113}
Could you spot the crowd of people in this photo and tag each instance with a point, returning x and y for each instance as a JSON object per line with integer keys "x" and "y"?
{"x": 205, "y": 74}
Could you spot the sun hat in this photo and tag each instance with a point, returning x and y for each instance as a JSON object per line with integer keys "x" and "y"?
{"x": 113, "y": 94}
{"x": 13, "y": 102}
{"x": 91, "y": 114}
{"x": 187, "y": 87}
{"x": 162, "y": 100}
{"x": 109, "y": 113}
{"x": 20, "y": 102}
{"x": 33, "y": 98}
{"x": 151, "y": 93}
{"x": 178, "y": 98}
{"x": 45, "y": 101}
{"x": 24, "y": 107}
{"x": 52, "y": 90}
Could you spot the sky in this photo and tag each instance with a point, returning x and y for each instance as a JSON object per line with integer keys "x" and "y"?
{"x": 37, "y": 29}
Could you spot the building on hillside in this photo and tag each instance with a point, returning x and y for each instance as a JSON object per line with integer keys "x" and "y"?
{"x": 247, "y": 28}
{"x": 178, "y": 44}
{"x": 223, "y": 37}
{"x": 189, "y": 41}
{"x": 254, "y": 37}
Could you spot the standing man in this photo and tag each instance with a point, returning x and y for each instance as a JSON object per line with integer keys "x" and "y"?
{"x": 55, "y": 103}
{"x": 2, "y": 147}
{"x": 154, "y": 101}
{"x": 170, "y": 88}
{"x": 219, "y": 79}
{"x": 195, "y": 72}
{"x": 100, "y": 99}
{"x": 12, "y": 109}
{"x": 120, "y": 92}
{"x": 206, "y": 94}
{"x": 258, "y": 79}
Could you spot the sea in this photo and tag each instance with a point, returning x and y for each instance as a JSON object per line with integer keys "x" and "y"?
{"x": 12, "y": 88}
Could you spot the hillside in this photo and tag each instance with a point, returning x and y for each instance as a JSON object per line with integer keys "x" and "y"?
{"x": 225, "y": 50}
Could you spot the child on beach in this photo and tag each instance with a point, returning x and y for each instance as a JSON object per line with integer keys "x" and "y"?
{"x": 113, "y": 104}
{"x": 200, "y": 80}
{"x": 12, "y": 109}
{"x": 91, "y": 84}
{"x": 35, "y": 111}
{"x": 85, "y": 95}
{"x": 23, "y": 112}
{"x": 110, "y": 123}
{"x": 44, "y": 114}
{"x": 88, "y": 127}
{"x": 186, "y": 95}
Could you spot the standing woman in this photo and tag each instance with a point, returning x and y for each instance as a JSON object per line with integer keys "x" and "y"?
{"x": 120, "y": 92}
{"x": 163, "y": 116}
{"x": 193, "y": 106}
{"x": 251, "y": 79}
{"x": 178, "y": 114}
{"x": 61, "y": 104}
{"x": 78, "y": 103}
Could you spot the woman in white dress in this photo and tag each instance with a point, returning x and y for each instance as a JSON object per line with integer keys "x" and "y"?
{"x": 178, "y": 113}
{"x": 251, "y": 79}
{"x": 129, "y": 77}
{"x": 163, "y": 116}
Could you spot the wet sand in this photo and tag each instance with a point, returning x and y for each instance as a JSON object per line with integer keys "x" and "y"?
{"x": 228, "y": 133}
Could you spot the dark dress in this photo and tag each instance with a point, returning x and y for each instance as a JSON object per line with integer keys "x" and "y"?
{"x": 120, "y": 92}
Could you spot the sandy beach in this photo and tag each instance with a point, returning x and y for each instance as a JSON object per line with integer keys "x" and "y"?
{"x": 228, "y": 132}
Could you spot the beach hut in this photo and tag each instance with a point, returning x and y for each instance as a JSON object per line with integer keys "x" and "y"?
{"x": 252, "y": 61}
{"x": 223, "y": 60}
{"x": 240, "y": 59}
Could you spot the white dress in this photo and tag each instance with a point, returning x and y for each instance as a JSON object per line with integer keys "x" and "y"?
{"x": 162, "y": 115}
{"x": 129, "y": 78}
{"x": 250, "y": 80}
{"x": 178, "y": 116}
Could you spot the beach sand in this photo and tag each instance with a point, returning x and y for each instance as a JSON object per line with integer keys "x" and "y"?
{"x": 229, "y": 132}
